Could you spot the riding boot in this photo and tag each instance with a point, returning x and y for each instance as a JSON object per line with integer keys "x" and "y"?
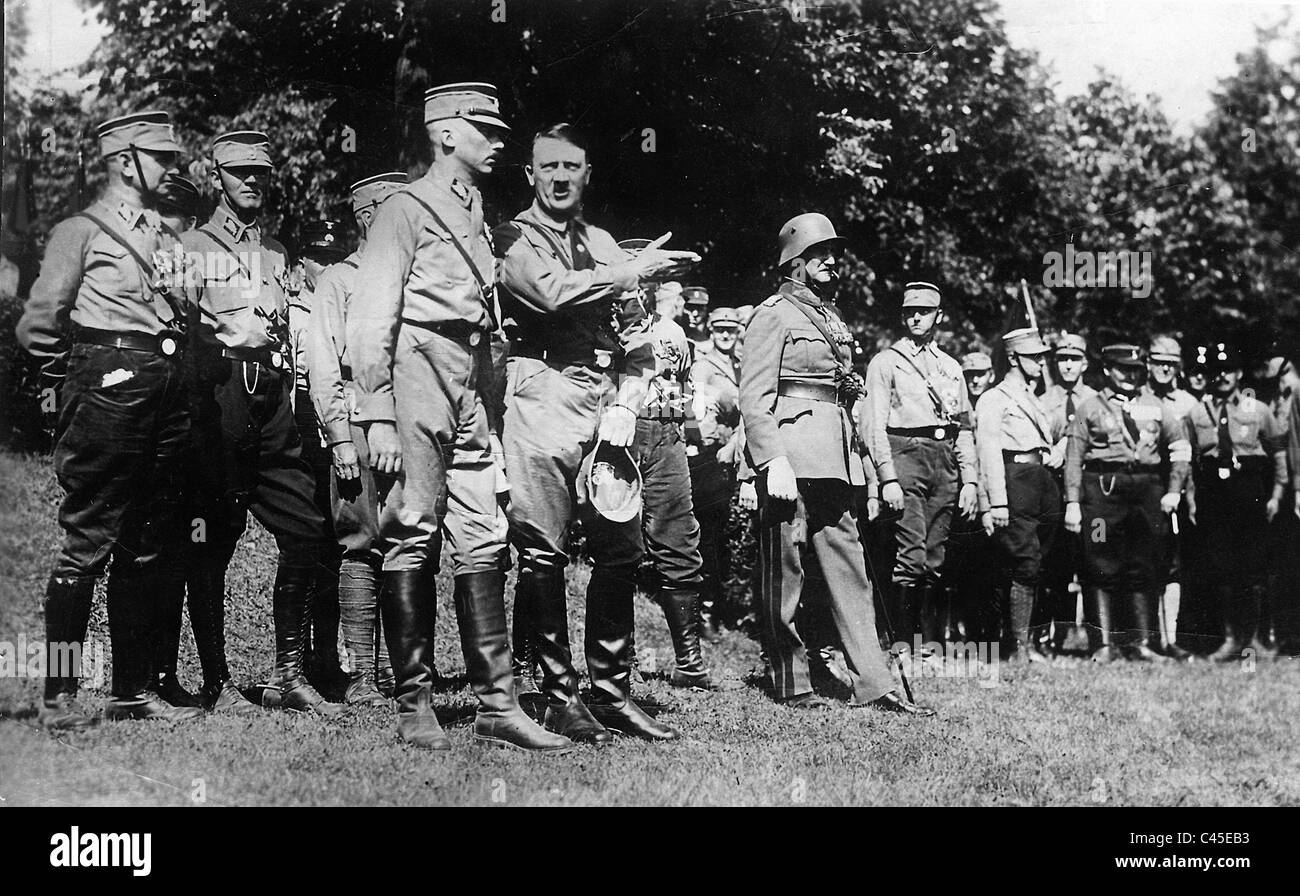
{"x": 322, "y": 665}
{"x": 289, "y": 608}
{"x": 481, "y": 614}
{"x": 1233, "y": 641}
{"x": 408, "y": 605}
{"x": 1252, "y": 632}
{"x": 359, "y": 617}
{"x": 521, "y": 636}
{"x": 171, "y": 611}
{"x": 682, "y": 613}
{"x": 566, "y": 714}
{"x": 1142, "y": 637}
{"x": 207, "y": 599}
{"x": 930, "y": 612}
{"x": 1020, "y": 609}
{"x": 1097, "y": 616}
{"x": 608, "y": 647}
{"x": 67, "y": 616}
{"x": 133, "y": 626}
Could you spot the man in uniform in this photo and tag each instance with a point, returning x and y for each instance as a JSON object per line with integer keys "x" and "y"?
{"x": 249, "y": 453}
{"x": 122, "y": 426}
{"x": 356, "y": 491}
{"x": 715, "y": 377}
{"x": 178, "y": 204}
{"x": 1277, "y": 381}
{"x": 420, "y": 335}
{"x": 1164, "y": 360}
{"x": 968, "y": 607}
{"x": 1014, "y": 436}
{"x": 1197, "y": 371}
{"x": 579, "y": 369}
{"x": 669, "y": 528}
{"x": 1115, "y": 453}
{"x": 322, "y": 246}
{"x": 695, "y": 313}
{"x": 796, "y": 389}
{"x": 917, "y": 428}
{"x": 1060, "y": 577}
{"x": 1241, "y": 475}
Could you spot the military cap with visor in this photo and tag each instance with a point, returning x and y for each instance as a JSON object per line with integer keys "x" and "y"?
{"x": 150, "y": 131}
{"x": 242, "y": 149}
{"x": 1071, "y": 344}
{"x": 474, "y": 101}
{"x": 323, "y": 237}
{"x": 1165, "y": 348}
{"x": 724, "y": 318}
{"x": 976, "y": 361}
{"x": 611, "y": 482}
{"x": 696, "y": 295}
{"x": 921, "y": 294}
{"x": 1123, "y": 354}
{"x": 1024, "y": 341}
{"x": 370, "y": 191}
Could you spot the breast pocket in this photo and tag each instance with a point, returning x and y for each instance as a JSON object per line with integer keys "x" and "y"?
{"x": 804, "y": 349}
{"x": 110, "y": 263}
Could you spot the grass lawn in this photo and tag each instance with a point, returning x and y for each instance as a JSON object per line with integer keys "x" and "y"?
{"x": 1069, "y": 734}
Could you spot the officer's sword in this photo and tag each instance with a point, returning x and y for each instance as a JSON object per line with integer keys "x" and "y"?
{"x": 889, "y": 625}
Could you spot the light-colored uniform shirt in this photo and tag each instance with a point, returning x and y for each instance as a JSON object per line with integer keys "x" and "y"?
{"x": 242, "y": 294}
{"x": 1141, "y": 430}
{"x": 328, "y": 359}
{"x": 302, "y": 302}
{"x": 1252, "y": 429}
{"x": 715, "y": 378}
{"x": 88, "y": 279}
{"x": 898, "y": 398}
{"x": 1062, "y": 404}
{"x": 411, "y": 273}
{"x": 1009, "y": 417}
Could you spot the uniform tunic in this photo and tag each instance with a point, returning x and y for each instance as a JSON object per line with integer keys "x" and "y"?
{"x": 1014, "y": 435}
{"x": 1113, "y": 462}
{"x": 785, "y": 352}
{"x": 916, "y": 424}
{"x": 123, "y": 422}
{"x": 419, "y": 333}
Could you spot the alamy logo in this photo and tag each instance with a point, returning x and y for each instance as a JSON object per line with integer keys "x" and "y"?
{"x": 1114, "y": 270}
{"x": 88, "y": 850}
{"x": 56, "y": 659}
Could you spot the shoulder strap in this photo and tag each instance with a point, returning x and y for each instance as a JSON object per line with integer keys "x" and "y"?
{"x": 485, "y": 290}
{"x": 216, "y": 238}
{"x": 934, "y": 396}
{"x": 350, "y": 263}
{"x": 147, "y": 272}
{"x": 818, "y": 323}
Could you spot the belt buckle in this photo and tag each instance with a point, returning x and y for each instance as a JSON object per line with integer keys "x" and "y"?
{"x": 168, "y": 346}
{"x": 276, "y": 361}
{"x": 1225, "y": 472}
{"x": 939, "y": 432}
{"x": 475, "y": 338}
{"x": 603, "y": 358}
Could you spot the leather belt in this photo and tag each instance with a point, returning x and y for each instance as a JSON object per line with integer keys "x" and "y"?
{"x": 1024, "y": 457}
{"x": 1119, "y": 466}
{"x": 598, "y": 359}
{"x": 452, "y": 329}
{"x": 939, "y": 433}
{"x": 267, "y": 357}
{"x": 804, "y": 389}
{"x": 168, "y": 343}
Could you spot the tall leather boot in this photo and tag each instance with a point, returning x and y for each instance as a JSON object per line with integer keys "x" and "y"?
{"x": 322, "y": 665}
{"x": 565, "y": 712}
{"x": 930, "y": 611}
{"x": 682, "y": 613}
{"x": 289, "y": 602}
{"x": 481, "y": 614}
{"x": 609, "y": 657}
{"x": 133, "y": 626}
{"x": 1020, "y": 609}
{"x": 408, "y": 605}
{"x": 1097, "y": 614}
{"x": 358, "y": 594}
{"x": 67, "y": 616}
{"x": 1253, "y": 632}
{"x": 171, "y": 612}
{"x": 207, "y": 598}
{"x": 521, "y": 636}
{"x": 1233, "y": 643}
{"x": 1142, "y": 637}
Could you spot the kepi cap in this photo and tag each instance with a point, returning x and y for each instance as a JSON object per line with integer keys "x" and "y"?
{"x": 920, "y": 294}
{"x": 144, "y": 130}
{"x": 1165, "y": 348}
{"x": 470, "y": 100}
{"x": 242, "y": 149}
{"x": 1124, "y": 354}
{"x": 976, "y": 361}
{"x": 1071, "y": 344}
{"x": 1024, "y": 341}
{"x": 611, "y": 481}
{"x": 724, "y": 318}
{"x": 370, "y": 191}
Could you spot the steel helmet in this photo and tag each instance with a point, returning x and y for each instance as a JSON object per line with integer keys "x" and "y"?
{"x": 802, "y": 232}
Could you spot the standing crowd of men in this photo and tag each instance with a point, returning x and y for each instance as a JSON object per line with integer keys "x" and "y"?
{"x": 451, "y": 390}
